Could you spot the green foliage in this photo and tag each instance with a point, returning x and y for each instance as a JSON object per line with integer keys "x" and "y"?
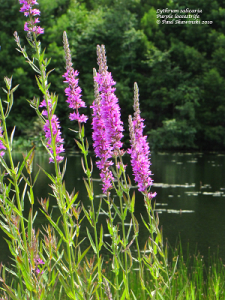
{"x": 179, "y": 68}
{"x": 173, "y": 135}
{"x": 148, "y": 22}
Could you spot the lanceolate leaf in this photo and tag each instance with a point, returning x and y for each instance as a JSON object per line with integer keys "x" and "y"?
{"x": 54, "y": 225}
{"x": 91, "y": 241}
{"x": 80, "y": 257}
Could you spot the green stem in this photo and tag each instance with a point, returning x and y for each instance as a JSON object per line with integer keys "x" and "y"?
{"x": 116, "y": 280}
{"x": 14, "y": 176}
{"x": 93, "y": 211}
{"x": 123, "y": 230}
{"x": 153, "y": 222}
{"x": 141, "y": 270}
{"x": 57, "y": 171}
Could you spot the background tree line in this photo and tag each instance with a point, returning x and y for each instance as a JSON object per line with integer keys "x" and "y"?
{"x": 180, "y": 69}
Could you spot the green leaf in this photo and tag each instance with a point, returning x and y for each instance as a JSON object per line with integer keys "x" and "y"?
{"x": 11, "y": 249}
{"x": 159, "y": 294}
{"x": 124, "y": 295}
{"x": 133, "y": 295}
{"x": 46, "y": 148}
{"x": 64, "y": 168}
{"x": 90, "y": 192}
{"x": 14, "y": 208}
{"x": 88, "y": 217}
{"x": 80, "y": 257}
{"x": 117, "y": 210}
{"x": 59, "y": 258}
{"x": 49, "y": 72}
{"x": 87, "y": 146}
{"x": 6, "y": 229}
{"x": 66, "y": 287}
{"x": 30, "y": 226}
{"x": 42, "y": 56}
{"x": 42, "y": 295}
{"x": 124, "y": 213}
{"x": 72, "y": 201}
{"x": 98, "y": 211}
{"x": 100, "y": 238}
{"x": 10, "y": 292}
{"x": 25, "y": 274}
{"x": 132, "y": 206}
{"x": 146, "y": 225}
{"x": 35, "y": 215}
{"x": 55, "y": 225}
{"x": 23, "y": 195}
{"x": 5, "y": 166}
{"x": 40, "y": 85}
{"x": 12, "y": 135}
{"x": 26, "y": 180}
{"x": 15, "y": 88}
{"x": 80, "y": 146}
{"x": 91, "y": 241}
{"x": 49, "y": 176}
{"x": 180, "y": 296}
{"x": 31, "y": 196}
{"x": 36, "y": 176}
{"x": 34, "y": 67}
{"x": 129, "y": 230}
{"x": 23, "y": 164}
{"x": 136, "y": 226}
{"x": 45, "y": 62}
{"x": 82, "y": 132}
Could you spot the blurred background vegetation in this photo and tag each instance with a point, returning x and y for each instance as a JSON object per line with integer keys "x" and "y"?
{"x": 180, "y": 69}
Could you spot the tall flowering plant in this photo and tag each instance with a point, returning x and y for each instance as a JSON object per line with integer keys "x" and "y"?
{"x": 51, "y": 262}
{"x": 73, "y": 91}
{"x": 139, "y": 150}
{"x": 107, "y": 124}
{"x": 38, "y": 265}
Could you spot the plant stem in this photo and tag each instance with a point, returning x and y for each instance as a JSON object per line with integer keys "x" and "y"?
{"x": 136, "y": 232}
{"x": 123, "y": 230}
{"x": 57, "y": 170}
{"x": 14, "y": 177}
{"x": 88, "y": 173}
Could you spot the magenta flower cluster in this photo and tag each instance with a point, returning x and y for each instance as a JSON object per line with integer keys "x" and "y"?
{"x": 107, "y": 125}
{"x": 28, "y": 10}
{"x": 38, "y": 261}
{"x": 139, "y": 151}
{"x": 58, "y": 141}
{"x": 2, "y": 147}
{"x": 110, "y": 110}
{"x": 73, "y": 93}
{"x": 102, "y": 147}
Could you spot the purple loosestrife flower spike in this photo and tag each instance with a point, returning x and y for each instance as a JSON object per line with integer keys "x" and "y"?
{"x": 139, "y": 150}
{"x": 102, "y": 147}
{"x": 27, "y": 9}
{"x": 73, "y": 92}
{"x": 110, "y": 109}
{"x": 55, "y": 130}
{"x": 107, "y": 125}
{"x": 2, "y": 147}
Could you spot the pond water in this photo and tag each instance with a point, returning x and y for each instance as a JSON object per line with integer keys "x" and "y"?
{"x": 190, "y": 197}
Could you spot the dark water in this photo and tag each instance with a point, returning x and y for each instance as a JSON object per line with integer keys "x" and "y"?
{"x": 190, "y": 197}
